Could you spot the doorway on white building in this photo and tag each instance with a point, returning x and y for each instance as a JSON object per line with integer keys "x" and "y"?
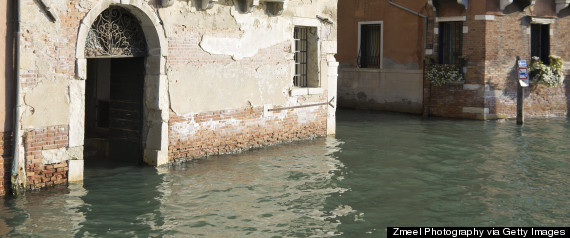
{"x": 116, "y": 52}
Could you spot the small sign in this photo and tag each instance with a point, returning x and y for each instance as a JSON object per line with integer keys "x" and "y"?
{"x": 523, "y": 77}
{"x": 522, "y": 64}
{"x": 523, "y": 73}
{"x": 524, "y": 83}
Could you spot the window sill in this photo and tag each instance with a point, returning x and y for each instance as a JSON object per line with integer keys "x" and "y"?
{"x": 306, "y": 91}
{"x": 370, "y": 69}
{"x": 458, "y": 82}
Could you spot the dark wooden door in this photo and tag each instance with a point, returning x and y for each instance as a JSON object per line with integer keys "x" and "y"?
{"x": 126, "y": 109}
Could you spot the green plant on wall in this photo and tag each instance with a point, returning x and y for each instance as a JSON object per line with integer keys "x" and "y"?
{"x": 441, "y": 74}
{"x": 550, "y": 75}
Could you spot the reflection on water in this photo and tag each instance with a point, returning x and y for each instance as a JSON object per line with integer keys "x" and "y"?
{"x": 404, "y": 171}
{"x": 381, "y": 170}
{"x": 278, "y": 191}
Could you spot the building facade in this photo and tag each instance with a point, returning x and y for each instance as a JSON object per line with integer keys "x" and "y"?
{"x": 482, "y": 38}
{"x": 155, "y": 81}
{"x": 380, "y": 55}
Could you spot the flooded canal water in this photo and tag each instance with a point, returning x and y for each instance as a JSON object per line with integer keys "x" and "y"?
{"x": 380, "y": 170}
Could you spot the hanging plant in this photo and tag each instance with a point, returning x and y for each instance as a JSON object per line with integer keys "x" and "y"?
{"x": 549, "y": 75}
{"x": 441, "y": 74}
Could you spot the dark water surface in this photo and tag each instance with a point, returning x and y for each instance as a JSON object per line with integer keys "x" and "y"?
{"x": 380, "y": 170}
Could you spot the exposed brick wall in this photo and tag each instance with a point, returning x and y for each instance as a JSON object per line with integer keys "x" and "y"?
{"x": 227, "y": 131}
{"x": 5, "y": 161}
{"x": 508, "y": 37}
{"x": 449, "y": 100}
{"x": 222, "y": 132}
{"x": 35, "y": 141}
{"x": 51, "y": 54}
{"x": 59, "y": 49}
{"x": 491, "y": 48}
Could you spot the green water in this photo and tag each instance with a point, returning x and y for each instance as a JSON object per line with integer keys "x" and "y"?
{"x": 380, "y": 170}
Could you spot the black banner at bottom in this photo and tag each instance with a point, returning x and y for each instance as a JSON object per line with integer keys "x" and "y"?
{"x": 514, "y": 232}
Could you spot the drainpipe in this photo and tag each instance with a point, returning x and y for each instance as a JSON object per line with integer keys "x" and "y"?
{"x": 18, "y": 164}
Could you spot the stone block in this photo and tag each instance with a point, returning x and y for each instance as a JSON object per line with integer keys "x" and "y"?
{"x": 75, "y": 172}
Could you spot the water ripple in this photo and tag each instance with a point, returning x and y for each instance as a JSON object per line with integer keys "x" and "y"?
{"x": 381, "y": 170}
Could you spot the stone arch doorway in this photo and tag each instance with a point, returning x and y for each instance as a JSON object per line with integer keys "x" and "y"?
{"x": 119, "y": 47}
{"x": 116, "y": 51}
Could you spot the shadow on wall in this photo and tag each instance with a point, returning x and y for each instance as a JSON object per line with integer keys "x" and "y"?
{"x": 6, "y": 10}
{"x": 517, "y": 6}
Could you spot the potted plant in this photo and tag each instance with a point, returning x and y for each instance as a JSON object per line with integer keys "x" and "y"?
{"x": 550, "y": 75}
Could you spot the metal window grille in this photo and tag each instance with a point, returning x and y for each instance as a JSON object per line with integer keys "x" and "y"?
{"x": 116, "y": 32}
{"x": 301, "y": 57}
{"x": 370, "y": 46}
{"x": 451, "y": 42}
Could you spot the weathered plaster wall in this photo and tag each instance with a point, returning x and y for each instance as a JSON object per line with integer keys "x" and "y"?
{"x": 387, "y": 90}
{"x": 200, "y": 62}
{"x": 397, "y": 86}
{"x": 242, "y": 59}
{"x": 224, "y": 62}
{"x": 46, "y": 67}
{"x": 47, "y": 96}
{"x": 233, "y": 86}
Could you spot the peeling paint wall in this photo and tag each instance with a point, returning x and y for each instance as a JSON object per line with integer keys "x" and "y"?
{"x": 201, "y": 62}
{"x": 47, "y": 104}
{"x": 241, "y": 58}
{"x": 222, "y": 60}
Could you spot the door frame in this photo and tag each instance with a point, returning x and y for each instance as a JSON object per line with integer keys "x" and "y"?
{"x": 156, "y": 101}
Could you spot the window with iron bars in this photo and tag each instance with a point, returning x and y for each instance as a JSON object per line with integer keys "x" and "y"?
{"x": 370, "y": 46}
{"x": 301, "y": 57}
{"x": 306, "y": 57}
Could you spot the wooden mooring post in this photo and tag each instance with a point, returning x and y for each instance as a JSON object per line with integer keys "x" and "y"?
{"x": 520, "y": 104}
{"x": 522, "y": 82}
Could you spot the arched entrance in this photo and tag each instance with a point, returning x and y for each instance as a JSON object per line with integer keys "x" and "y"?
{"x": 120, "y": 67}
{"x": 116, "y": 51}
